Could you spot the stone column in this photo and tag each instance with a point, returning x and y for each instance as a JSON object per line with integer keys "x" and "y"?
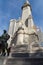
{"x": 10, "y": 31}
{"x": 20, "y": 39}
{"x": 14, "y": 27}
{"x": 26, "y": 12}
{"x": 11, "y": 27}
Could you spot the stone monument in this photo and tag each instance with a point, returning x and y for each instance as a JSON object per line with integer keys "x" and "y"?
{"x": 24, "y": 39}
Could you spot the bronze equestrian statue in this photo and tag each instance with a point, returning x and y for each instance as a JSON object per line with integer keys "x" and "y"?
{"x": 3, "y": 44}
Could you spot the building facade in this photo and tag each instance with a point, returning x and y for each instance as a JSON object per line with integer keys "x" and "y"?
{"x": 23, "y": 31}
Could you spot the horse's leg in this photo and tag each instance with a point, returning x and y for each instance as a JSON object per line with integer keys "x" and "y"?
{"x": 3, "y": 52}
{"x": 8, "y": 51}
{"x": 0, "y": 51}
{"x": 6, "y": 47}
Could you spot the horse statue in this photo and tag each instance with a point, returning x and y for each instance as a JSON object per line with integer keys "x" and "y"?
{"x": 3, "y": 44}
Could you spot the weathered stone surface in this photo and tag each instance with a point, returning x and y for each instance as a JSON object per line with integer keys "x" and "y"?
{"x": 26, "y": 49}
{"x": 24, "y": 61}
{"x": 2, "y": 58}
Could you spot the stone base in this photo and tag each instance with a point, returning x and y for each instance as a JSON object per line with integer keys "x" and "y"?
{"x": 24, "y": 59}
{"x": 20, "y": 56}
{"x": 2, "y": 58}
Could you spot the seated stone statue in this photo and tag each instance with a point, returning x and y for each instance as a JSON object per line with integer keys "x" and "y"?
{"x": 4, "y": 44}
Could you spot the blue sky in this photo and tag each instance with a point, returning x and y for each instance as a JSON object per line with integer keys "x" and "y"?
{"x": 11, "y": 9}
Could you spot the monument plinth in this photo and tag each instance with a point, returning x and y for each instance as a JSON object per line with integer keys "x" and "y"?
{"x": 24, "y": 54}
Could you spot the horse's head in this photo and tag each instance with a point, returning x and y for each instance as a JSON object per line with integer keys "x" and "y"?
{"x": 7, "y": 37}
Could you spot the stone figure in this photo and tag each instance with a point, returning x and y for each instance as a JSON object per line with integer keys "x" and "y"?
{"x": 4, "y": 44}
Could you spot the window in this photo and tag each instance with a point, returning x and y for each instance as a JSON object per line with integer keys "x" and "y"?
{"x": 26, "y": 22}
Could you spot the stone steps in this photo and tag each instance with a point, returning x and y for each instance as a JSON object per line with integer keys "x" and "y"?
{"x": 24, "y": 61}
{"x": 21, "y": 60}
